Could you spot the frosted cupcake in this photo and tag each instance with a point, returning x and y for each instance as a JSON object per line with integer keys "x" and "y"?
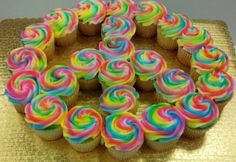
{"x": 59, "y": 80}
{"x": 82, "y": 128}
{"x": 170, "y": 27}
{"x": 116, "y": 72}
{"x": 117, "y": 47}
{"x": 190, "y": 41}
{"x": 86, "y": 64}
{"x": 208, "y": 59}
{"x": 123, "y": 135}
{"x": 121, "y": 8}
{"x": 91, "y": 14}
{"x": 163, "y": 125}
{"x": 147, "y": 17}
{"x": 118, "y": 26}
{"x": 26, "y": 58}
{"x": 148, "y": 65}
{"x": 44, "y": 115}
{"x": 39, "y": 36}
{"x": 200, "y": 112}
{"x": 22, "y": 87}
{"x": 119, "y": 99}
{"x": 217, "y": 85}
{"x": 173, "y": 85}
{"x": 64, "y": 23}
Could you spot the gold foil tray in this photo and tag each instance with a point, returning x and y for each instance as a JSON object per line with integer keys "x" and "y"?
{"x": 19, "y": 143}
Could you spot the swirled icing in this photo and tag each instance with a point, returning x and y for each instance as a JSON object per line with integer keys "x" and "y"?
{"x": 62, "y": 20}
{"x": 37, "y": 35}
{"x": 116, "y": 72}
{"x": 119, "y": 99}
{"x": 147, "y": 64}
{"x": 58, "y": 80}
{"x": 174, "y": 84}
{"x": 209, "y": 58}
{"x": 149, "y": 12}
{"x": 116, "y": 47}
{"x": 91, "y": 11}
{"x": 172, "y": 25}
{"x": 123, "y": 132}
{"x": 22, "y": 87}
{"x": 217, "y": 85}
{"x": 162, "y": 122}
{"x": 198, "y": 110}
{"x": 45, "y": 111}
{"x": 118, "y": 26}
{"x": 26, "y": 58}
{"x": 82, "y": 123}
{"x": 86, "y": 63}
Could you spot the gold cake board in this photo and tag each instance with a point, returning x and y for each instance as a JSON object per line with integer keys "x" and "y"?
{"x": 19, "y": 143}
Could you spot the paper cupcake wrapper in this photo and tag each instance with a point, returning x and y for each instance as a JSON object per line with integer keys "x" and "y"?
{"x": 194, "y": 132}
{"x": 67, "y": 39}
{"x": 161, "y": 146}
{"x": 194, "y": 74}
{"x": 49, "y": 134}
{"x": 20, "y": 108}
{"x": 166, "y": 42}
{"x": 50, "y": 50}
{"x": 145, "y": 31}
{"x": 86, "y": 146}
{"x": 145, "y": 85}
{"x": 222, "y": 104}
{"x": 183, "y": 56}
{"x": 71, "y": 101}
{"x": 87, "y": 85}
{"x": 160, "y": 99}
{"x": 89, "y": 29}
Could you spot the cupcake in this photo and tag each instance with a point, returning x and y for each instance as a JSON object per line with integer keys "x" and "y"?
{"x": 207, "y": 59}
{"x": 82, "y": 128}
{"x": 200, "y": 112}
{"x": 59, "y": 80}
{"x": 147, "y": 65}
{"x": 173, "y": 85}
{"x": 217, "y": 85}
{"x": 22, "y": 87}
{"x": 86, "y": 64}
{"x": 44, "y": 115}
{"x": 117, "y": 47}
{"x": 190, "y": 41}
{"x": 116, "y": 72}
{"x": 123, "y": 135}
{"x": 170, "y": 27}
{"x": 119, "y": 99}
{"x": 39, "y": 36}
{"x": 64, "y": 23}
{"x": 147, "y": 17}
{"x": 121, "y": 8}
{"x": 163, "y": 125}
{"x": 118, "y": 26}
{"x": 91, "y": 14}
{"x": 26, "y": 58}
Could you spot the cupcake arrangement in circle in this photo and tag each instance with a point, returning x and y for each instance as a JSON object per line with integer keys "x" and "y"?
{"x": 186, "y": 104}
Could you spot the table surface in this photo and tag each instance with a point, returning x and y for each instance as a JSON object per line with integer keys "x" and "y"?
{"x": 19, "y": 143}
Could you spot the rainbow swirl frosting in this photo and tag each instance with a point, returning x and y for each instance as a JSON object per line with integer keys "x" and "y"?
{"x": 149, "y": 12}
{"x": 117, "y": 47}
{"x": 86, "y": 63}
{"x": 194, "y": 38}
{"x": 45, "y": 112}
{"x": 37, "y": 35}
{"x": 26, "y": 58}
{"x": 63, "y": 21}
{"x": 147, "y": 64}
{"x": 58, "y": 80}
{"x": 217, "y": 85}
{"x": 208, "y": 59}
{"x": 163, "y": 123}
{"x": 121, "y": 8}
{"x": 123, "y": 132}
{"x": 118, "y": 99}
{"x": 116, "y": 72}
{"x": 22, "y": 87}
{"x": 118, "y": 26}
{"x": 173, "y": 85}
{"x": 82, "y": 123}
{"x": 172, "y": 25}
{"x": 91, "y": 11}
{"x": 198, "y": 110}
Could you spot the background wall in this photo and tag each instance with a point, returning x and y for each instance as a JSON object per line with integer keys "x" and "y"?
{"x": 204, "y": 9}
